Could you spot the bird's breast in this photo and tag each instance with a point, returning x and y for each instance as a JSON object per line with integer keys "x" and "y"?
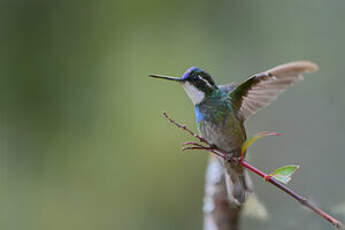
{"x": 219, "y": 126}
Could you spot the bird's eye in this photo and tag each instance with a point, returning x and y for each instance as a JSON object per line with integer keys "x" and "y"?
{"x": 205, "y": 80}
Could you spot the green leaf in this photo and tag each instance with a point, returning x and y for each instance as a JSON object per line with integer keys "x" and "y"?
{"x": 257, "y": 136}
{"x": 284, "y": 173}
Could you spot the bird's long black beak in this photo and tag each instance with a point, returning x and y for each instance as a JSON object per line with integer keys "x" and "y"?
{"x": 167, "y": 78}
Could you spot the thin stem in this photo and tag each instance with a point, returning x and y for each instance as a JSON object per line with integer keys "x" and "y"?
{"x": 185, "y": 128}
{"x": 299, "y": 198}
{"x": 222, "y": 154}
{"x": 196, "y": 146}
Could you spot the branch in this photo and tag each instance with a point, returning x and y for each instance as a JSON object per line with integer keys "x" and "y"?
{"x": 223, "y": 155}
{"x": 219, "y": 212}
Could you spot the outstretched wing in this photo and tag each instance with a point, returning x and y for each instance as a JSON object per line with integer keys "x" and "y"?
{"x": 228, "y": 87}
{"x": 261, "y": 89}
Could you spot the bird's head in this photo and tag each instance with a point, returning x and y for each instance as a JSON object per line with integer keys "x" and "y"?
{"x": 197, "y": 83}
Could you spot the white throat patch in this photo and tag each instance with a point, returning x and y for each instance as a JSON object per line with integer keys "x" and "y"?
{"x": 193, "y": 93}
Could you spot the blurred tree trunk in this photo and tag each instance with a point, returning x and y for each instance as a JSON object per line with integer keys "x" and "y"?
{"x": 219, "y": 212}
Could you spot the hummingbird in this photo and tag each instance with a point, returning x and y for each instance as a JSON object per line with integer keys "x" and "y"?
{"x": 221, "y": 111}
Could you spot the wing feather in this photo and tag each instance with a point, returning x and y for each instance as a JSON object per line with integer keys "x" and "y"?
{"x": 259, "y": 90}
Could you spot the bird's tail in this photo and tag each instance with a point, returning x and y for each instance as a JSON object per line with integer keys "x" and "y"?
{"x": 238, "y": 183}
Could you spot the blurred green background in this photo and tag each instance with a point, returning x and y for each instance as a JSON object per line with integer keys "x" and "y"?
{"x": 83, "y": 143}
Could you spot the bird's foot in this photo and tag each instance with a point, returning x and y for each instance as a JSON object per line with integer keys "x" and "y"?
{"x": 213, "y": 146}
{"x": 232, "y": 157}
{"x": 229, "y": 157}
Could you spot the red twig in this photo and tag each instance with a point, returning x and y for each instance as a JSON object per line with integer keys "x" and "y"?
{"x": 298, "y": 197}
{"x": 222, "y": 154}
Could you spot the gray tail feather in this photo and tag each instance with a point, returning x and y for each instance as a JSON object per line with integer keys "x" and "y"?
{"x": 238, "y": 185}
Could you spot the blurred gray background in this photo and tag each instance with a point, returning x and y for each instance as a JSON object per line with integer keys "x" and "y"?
{"x": 83, "y": 144}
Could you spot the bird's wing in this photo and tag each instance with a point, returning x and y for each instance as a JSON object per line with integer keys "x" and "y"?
{"x": 228, "y": 87}
{"x": 261, "y": 89}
